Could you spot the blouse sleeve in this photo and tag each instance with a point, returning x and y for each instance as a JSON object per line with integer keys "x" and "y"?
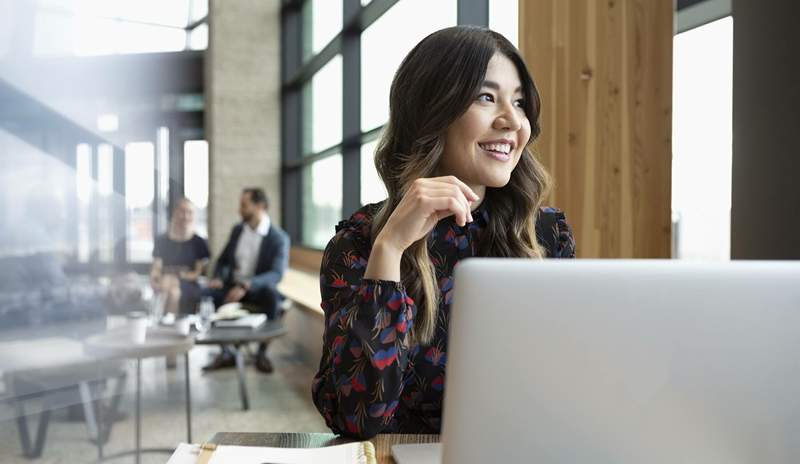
{"x": 366, "y": 340}
{"x": 202, "y": 248}
{"x": 158, "y": 248}
{"x": 555, "y": 234}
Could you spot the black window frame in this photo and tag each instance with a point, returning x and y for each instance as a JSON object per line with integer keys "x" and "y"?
{"x": 297, "y": 72}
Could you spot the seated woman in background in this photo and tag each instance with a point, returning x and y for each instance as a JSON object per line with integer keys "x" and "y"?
{"x": 462, "y": 182}
{"x": 179, "y": 258}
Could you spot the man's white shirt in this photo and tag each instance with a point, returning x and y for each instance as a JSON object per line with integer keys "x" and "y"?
{"x": 247, "y": 250}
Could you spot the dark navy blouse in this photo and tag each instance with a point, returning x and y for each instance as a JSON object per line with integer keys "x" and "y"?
{"x": 372, "y": 377}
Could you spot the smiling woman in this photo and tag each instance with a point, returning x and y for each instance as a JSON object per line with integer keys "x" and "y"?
{"x": 461, "y": 182}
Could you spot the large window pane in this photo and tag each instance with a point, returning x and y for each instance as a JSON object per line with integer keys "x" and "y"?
{"x": 322, "y": 100}
{"x": 504, "y": 17}
{"x": 198, "y": 9}
{"x": 195, "y": 186}
{"x": 323, "y": 20}
{"x": 701, "y": 135}
{"x": 408, "y": 22}
{"x": 139, "y": 195}
{"x": 162, "y": 159}
{"x": 372, "y": 188}
{"x": 198, "y": 37}
{"x": 322, "y": 200}
{"x": 85, "y": 187}
{"x": 105, "y": 202}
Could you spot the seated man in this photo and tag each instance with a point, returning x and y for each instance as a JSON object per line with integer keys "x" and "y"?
{"x": 250, "y": 267}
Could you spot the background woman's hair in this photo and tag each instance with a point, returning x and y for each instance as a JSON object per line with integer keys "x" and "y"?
{"x": 436, "y": 84}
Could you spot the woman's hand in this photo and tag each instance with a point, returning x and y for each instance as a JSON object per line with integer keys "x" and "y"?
{"x": 427, "y": 201}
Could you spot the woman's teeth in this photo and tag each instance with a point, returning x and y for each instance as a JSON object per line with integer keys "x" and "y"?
{"x": 498, "y": 147}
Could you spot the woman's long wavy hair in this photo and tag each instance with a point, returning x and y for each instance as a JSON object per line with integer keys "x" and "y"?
{"x": 434, "y": 86}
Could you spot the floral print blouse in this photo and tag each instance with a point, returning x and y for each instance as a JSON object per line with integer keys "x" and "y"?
{"x": 372, "y": 378}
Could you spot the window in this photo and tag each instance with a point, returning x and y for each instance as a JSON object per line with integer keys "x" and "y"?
{"x": 336, "y": 100}
{"x": 105, "y": 203}
{"x": 325, "y": 17}
{"x": 139, "y": 196}
{"x": 323, "y": 100}
{"x": 702, "y": 141}
{"x": 380, "y": 57}
{"x": 322, "y": 200}
{"x": 195, "y": 187}
{"x": 504, "y": 18}
{"x": 83, "y": 177}
{"x": 372, "y": 188}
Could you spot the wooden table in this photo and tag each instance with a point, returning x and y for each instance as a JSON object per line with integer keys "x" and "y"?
{"x": 383, "y": 442}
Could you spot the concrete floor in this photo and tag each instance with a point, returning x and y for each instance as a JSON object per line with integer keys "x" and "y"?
{"x": 279, "y": 402}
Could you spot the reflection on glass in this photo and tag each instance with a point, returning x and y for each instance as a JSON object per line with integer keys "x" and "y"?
{"x": 139, "y": 188}
{"x": 112, "y": 26}
{"x": 372, "y": 188}
{"x": 323, "y": 101}
{"x": 702, "y": 139}
{"x": 322, "y": 200}
{"x": 504, "y": 17}
{"x": 195, "y": 173}
{"x": 98, "y": 36}
{"x": 380, "y": 58}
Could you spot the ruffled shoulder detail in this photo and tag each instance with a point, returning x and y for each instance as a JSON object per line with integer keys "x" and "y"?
{"x": 554, "y": 233}
{"x": 357, "y": 229}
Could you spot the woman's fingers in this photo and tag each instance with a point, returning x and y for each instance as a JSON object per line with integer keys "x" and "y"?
{"x": 448, "y": 190}
{"x": 449, "y": 203}
{"x": 468, "y": 192}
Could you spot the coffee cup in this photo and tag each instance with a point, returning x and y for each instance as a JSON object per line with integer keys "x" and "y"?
{"x": 183, "y": 326}
{"x": 137, "y": 326}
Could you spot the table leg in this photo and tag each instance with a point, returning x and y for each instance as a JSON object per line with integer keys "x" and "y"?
{"x": 242, "y": 386}
{"x": 138, "y": 410}
{"x": 188, "y": 400}
{"x": 94, "y": 422}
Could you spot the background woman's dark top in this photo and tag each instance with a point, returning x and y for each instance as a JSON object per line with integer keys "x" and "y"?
{"x": 181, "y": 256}
{"x": 372, "y": 378}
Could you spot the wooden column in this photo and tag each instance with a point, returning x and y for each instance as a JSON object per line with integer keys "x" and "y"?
{"x": 604, "y": 71}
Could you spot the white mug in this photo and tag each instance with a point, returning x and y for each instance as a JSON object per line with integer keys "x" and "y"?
{"x": 137, "y": 326}
{"x": 183, "y": 326}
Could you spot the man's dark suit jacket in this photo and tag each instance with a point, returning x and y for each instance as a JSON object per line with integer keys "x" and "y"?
{"x": 273, "y": 259}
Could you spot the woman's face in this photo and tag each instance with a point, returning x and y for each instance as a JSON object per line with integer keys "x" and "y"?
{"x": 484, "y": 145}
{"x": 183, "y": 214}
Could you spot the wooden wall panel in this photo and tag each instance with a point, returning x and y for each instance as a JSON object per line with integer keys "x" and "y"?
{"x": 604, "y": 71}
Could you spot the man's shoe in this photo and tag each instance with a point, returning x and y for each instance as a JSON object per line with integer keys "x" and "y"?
{"x": 222, "y": 361}
{"x": 264, "y": 365}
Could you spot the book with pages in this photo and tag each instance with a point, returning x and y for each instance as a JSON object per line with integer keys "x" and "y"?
{"x": 350, "y": 453}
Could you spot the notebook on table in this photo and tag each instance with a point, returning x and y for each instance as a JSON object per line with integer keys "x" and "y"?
{"x": 350, "y": 453}
{"x": 252, "y": 321}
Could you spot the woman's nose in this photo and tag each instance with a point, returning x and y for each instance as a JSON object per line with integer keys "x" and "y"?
{"x": 508, "y": 119}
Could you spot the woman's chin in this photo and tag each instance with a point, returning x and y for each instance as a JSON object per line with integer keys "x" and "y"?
{"x": 499, "y": 181}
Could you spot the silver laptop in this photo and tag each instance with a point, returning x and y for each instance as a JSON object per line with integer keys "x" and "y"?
{"x": 623, "y": 362}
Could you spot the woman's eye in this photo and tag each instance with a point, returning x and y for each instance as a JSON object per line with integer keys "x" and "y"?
{"x": 487, "y": 97}
{"x": 520, "y": 103}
